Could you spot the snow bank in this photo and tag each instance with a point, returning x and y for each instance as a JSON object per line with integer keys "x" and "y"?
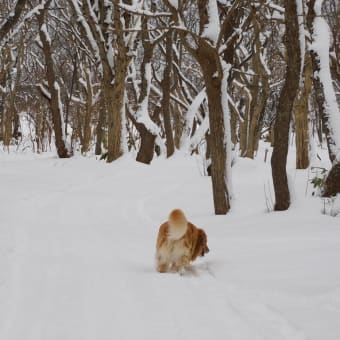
{"x": 77, "y": 244}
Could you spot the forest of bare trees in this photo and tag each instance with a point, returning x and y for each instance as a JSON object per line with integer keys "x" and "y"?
{"x": 152, "y": 77}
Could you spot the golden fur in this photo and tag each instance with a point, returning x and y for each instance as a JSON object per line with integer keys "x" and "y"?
{"x": 178, "y": 243}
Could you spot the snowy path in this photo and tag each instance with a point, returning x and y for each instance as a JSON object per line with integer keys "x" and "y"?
{"x": 77, "y": 256}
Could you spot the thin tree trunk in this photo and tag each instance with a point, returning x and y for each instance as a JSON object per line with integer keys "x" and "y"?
{"x": 11, "y": 123}
{"x": 166, "y": 87}
{"x": 255, "y": 121}
{"x": 285, "y": 106}
{"x": 39, "y": 132}
{"x": 147, "y": 145}
{"x": 99, "y": 127}
{"x": 53, "y": 86}
{"x": 244, "y": 126}
{"x": 11, "y": 111}
{"x": 218, "y": 151}
{"x": 259, "y": 94}
{"x": 178, "y": 125}
{"x": 301, "y": 117}
{"x": 114, "y": 97}
{"x": 233, "y": 127}
{"x": 69, "y": 99}
{"x": 115, "y": 93}
{"x": 210, "y": 65}
{"x": 88, "y": 112}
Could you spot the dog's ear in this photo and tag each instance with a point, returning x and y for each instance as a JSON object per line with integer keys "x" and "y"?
{"x": 200, "y": 245}
{"x": 205, "y": 248}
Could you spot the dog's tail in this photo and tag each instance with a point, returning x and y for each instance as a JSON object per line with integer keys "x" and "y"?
{"x": 178, "y": 224}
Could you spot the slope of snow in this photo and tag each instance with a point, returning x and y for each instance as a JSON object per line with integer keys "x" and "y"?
{"x": 77, "y": 244}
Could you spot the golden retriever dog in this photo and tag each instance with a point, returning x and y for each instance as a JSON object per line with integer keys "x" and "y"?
{"x": 178, "y": 243}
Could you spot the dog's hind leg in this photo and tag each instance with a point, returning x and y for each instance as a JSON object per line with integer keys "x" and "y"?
{"x": 162, "y": 264}
{"x": 162, "y": 267}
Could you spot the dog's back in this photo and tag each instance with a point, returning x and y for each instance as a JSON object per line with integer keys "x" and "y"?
{"x": 170, "y": 243}
{"x": 178, "y": 243}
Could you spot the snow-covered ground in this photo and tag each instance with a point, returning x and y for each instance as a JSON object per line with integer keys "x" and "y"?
{"x": 77, "y": 244}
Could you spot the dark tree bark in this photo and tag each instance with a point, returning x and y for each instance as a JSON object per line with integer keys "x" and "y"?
{"x": 12, "y": 20}
{"x": 53, "y": 89}
{"x": 115, "y": 94}
{"x": 166, "y": 87}
{"x": 260, "y": 92}
{"x": 285, "y": 106}
{"x": 148, "y": 140}
{"x": 147, "y": 146}
{"x": 87, "y": 116}
{"x": 99, "y": 127}
{"x": 301, "y": 116}
{"x": 209, "y": 61}
{"x": 332, "y": 184}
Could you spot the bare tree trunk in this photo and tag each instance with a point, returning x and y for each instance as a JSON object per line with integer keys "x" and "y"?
{"x": 114, "y": 96}
{"x": 179, "y": 122}
{"x": 115, "y": 93}
{"x": 148, "y": 139}
{"x": 39, "y": 133}
{"x": 12, "y": 19}
{"x": 178, "y": 125}
{"x": 3, "y": 74}
{"x": 9, "y": 119}
{"x": 255, "y": 123}
{"x": 244, "y": 126}
{"x": 10, "y": 110}
{"x": 166, "y": 87}
{"x": 285, "y": 106}
{"x": 234, "y": 124}
{"x": 53, "y": 86}
{"x": 87, "y": 118}
{"x": 147, "y": 145}
{"x": 100, "y": 125}
{"x": 210, "y": 64}
{"x": 332, "y": 184}
{"x": 259, "y": 93}
{"x": 301, "y": 117}
{"x": 206, "y": 52}
{"x": 69, "y": 99}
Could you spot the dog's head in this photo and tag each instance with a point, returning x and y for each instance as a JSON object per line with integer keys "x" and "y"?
{"x": 201, "y": 246}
